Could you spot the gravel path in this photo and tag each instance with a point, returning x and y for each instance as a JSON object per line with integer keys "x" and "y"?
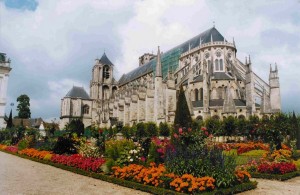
{"x": 272, "y": 187}
{"x": 22, "y": 176}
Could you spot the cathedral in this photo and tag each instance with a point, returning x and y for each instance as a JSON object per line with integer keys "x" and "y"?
{"x": 216, "y": 84}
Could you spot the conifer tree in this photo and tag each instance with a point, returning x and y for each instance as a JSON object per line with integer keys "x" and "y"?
{"x": 182, "y": 116}
{"x": 9, "y": 121}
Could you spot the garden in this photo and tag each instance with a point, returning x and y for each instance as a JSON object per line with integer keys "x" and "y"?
{"x": 184, "y": 158}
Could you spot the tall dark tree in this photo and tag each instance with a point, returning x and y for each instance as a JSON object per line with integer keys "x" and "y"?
{"x": 76, "y": 126}
{"x": 182, "y": 116}
{"x": 9, "y": 121}
{"x": 23, "y": 107}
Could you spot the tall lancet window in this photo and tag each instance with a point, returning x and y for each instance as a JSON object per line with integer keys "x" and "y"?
{"x": 217, "y": 67}
{"x": 221, "y": 64}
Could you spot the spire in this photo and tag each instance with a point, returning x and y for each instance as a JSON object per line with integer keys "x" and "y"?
{"x": 229, "y": 105}
{"x": 189, "y": 46}
{"x": 276, "y": 67}
{"x": 211, "y": 38}
{"x": 200, "y": 41}
{"x": 246, "y": 62}
{"x": 233, "y": 41}
{"x": 249, "y": 60}
{"x": 158, "y": 64}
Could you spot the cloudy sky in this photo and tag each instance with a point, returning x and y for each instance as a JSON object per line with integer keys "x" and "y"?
{"x": 52, "y": 44}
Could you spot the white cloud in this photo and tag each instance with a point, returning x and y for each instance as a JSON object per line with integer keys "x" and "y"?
{"x": 60, "y": 39}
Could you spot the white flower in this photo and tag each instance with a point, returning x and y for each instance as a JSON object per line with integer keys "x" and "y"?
{"x": 128, "y": 157}
{"x": 131, "y": 160}
{"x": 136, "y": 157}
{"x": 130, "y": 152}
{"x": 134, "y": 151}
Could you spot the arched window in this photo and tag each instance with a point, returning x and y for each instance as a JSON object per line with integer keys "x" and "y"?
{"x": 201, "y": 93}
{"x": 86, "y": 109}
{"x": 216, "y": 65}
{"x": 221, "y": 64}
{"x": 196, "y": 95}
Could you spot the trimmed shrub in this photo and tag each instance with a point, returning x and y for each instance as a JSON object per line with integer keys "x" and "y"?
{"x": 164, "y": 129}
{"x": 151, "y": 129}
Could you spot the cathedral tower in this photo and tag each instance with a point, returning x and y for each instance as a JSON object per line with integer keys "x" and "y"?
{"x": 102, "y": 87}
{"x": 275, "y": 98}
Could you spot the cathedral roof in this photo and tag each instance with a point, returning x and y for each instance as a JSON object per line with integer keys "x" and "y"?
{"x": 105, "y": 61}
{"x": 170, "y": 58}
{"x": 77, "y": 92}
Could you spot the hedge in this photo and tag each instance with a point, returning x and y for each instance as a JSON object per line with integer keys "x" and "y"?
{"x": 279, "y": 177}
{"x": 137, "y": 186}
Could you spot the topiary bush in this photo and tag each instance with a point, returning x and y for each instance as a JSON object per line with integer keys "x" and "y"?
{"x": 141, "y": 130}
{"x": 151, "y": 129}
{"x": 164, "y": 129}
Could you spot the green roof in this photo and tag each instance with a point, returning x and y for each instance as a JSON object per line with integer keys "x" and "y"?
{"x": 170, "y": 58}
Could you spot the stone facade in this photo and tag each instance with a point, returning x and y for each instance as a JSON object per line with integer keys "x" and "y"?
{"x": 4, "y": 74}
{"x": 216, "y": 84}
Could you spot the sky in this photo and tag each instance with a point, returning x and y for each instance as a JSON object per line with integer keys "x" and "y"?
{"x": 53, "y": 44}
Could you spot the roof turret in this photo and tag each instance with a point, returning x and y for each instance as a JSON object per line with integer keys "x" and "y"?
{"x": 105, "y": 61}
{"x": 77, "y": 92}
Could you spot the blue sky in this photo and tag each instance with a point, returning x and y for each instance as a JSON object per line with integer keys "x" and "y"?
{"x": 53, "y": 44}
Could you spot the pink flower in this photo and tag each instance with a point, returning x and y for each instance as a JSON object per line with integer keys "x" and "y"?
{"x": 143, "y": 159}
{"x": 189, "y": 129}
{"x": 175, "y": 135}
{"x": 180, "y": 130}
{"x": 160, "y": 150}
{"x": 203, "y": 128}
{"x": 211, "y": 136}
{"x": 206, "y": 133}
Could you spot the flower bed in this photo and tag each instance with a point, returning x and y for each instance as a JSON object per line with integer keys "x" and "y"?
{"x": 152, "y": 175}
{"x": 35, "y": 153}
{"x": 276, "y": 168}
{"x": 12, "y": 149}
{"x": 80, "y": 162}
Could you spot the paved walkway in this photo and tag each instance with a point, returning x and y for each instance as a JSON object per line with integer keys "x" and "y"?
{"x": 22, "y": 176}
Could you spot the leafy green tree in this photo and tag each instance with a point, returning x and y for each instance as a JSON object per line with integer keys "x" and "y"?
{"x": 23, "y": 107}
{"x": 182, "y": 115}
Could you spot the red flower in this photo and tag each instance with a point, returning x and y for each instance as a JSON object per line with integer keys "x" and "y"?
{"x": 180, "y": 130}
{"x": 100, "y": 131}
{"x": 203, "y": 128}
{"x": 206, "y": 133}
{"x": 189, "y": 129}
{"x": 175, "y": 135}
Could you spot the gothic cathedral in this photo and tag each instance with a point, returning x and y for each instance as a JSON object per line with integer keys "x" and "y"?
{"x": 216, "y": 84}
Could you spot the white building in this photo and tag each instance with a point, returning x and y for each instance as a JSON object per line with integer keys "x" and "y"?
{"x": 4, "y": 74}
